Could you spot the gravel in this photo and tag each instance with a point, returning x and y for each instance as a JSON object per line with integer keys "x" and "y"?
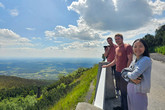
{"x": 158, "y": 57}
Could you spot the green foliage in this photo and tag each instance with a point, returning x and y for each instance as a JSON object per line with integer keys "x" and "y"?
{"x": 12, "y": 86}
{"x": 149, "y": 40}
{"x": 154, "y": 42}
{"x": 8, "y": 82}
{"x": 160, "y": 50}
{"x": 160, "y": 36}
{"x": 18, "y": 93}
{"x": 18, "y": 103}
{"x": 67, "y": 79}
{"x": 54, "y": 92}
{"x": 79, "y": 92}
{"x": 24, "y": 97}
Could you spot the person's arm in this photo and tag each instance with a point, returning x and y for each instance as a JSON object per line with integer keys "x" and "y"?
{"x": 140, "y": 68}
{"x": 110, "y": 64}
{"x": 107, "y": 51}
{"x": 130, "y": 57}
{"x": 136, "y": 81}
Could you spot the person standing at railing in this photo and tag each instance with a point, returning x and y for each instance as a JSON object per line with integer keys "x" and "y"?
{"x": 123, "y": 58}
{"x": 110, "y": 55}
{"x": 139, "y": 78}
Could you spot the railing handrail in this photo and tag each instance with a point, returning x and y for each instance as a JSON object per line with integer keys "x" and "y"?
{"x": 100, "y": 94}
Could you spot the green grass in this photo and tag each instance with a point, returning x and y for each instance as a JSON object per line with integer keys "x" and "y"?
{"x": 79, "y": 92}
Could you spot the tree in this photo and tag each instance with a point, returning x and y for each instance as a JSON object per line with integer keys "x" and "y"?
{"x": 160, "y": 36}
{"x": 150, "y": 40}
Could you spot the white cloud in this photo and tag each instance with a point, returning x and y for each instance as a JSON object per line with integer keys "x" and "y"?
{"x": 91, "y": 49}
{"x": 81, "y": 32}
{"x": 10, "y": 39}
{"x": 158, "y": 6}
{"x": 80, "y": 45}
{"x": 14, "y": 12}
{"x": 102, "y": 14}
{"x": 130, "y": 17}
{"x": 1, "y": 5}
{"x": 30, "y": 29}
{"x": 149, "y": 28}
{"x": 36, "y": 38}
{"x": 51, "y": 52}
{"x": 115, "y": 4}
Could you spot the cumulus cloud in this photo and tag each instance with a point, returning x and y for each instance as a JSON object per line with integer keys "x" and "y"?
{"x": 9, "y": 38}
{"x": 78, "y": 49}
{"x": 14, "y": 12}
{"x": 1, "y": 5}
{"x": 158, "y": 6}
{"x": 81, "y": 32}
{"x": 116, "y": 15}
{"x": 108, "y": 16}
{"x": 80, "y": 45}
{"x": 149, "y": 28}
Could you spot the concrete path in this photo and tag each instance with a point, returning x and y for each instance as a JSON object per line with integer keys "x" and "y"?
{"x": 157, "y": 93}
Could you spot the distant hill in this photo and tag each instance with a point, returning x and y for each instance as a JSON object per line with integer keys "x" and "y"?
{"x": 12, "y": 82}
{"x": 43, "y": 68}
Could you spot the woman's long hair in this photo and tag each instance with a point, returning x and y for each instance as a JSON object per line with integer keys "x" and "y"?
{"x": 146, "y": 52}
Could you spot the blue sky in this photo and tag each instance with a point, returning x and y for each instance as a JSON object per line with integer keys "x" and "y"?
{"x": 73, "y": 28}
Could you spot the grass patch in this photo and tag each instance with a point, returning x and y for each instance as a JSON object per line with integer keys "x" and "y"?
{"x": 79, "y": 92}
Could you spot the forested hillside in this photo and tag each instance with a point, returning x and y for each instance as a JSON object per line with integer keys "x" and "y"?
{"x": 59, "y": 95}
{"x": 8, "y": 82}
{"x": 14, "y": 90}
{"x": 79, "y": 92}
{"x": 156, "y": 43}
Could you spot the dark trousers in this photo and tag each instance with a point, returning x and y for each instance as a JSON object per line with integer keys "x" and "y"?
{"x": 113, "y": 69}
{"x": 117, "y": 80}
{"x": 123, "y": 88}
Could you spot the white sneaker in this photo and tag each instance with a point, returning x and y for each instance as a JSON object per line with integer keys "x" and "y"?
{"x": 117, "y": 93}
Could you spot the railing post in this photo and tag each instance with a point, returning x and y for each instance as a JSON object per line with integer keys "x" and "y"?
{"x": 109, "y": 85}
{"x": 109, "y": 89}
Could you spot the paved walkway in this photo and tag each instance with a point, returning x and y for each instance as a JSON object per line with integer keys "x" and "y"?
{"x": 157, "y": 93}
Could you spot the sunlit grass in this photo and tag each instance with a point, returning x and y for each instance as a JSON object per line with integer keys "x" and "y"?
{"x": 79, "y": 92}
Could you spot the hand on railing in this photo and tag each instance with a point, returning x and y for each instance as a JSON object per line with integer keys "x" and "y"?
{"x": 104, "y": 66}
